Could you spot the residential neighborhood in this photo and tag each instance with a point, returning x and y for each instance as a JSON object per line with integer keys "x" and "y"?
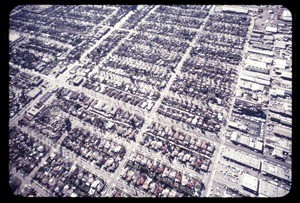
{"x": 150, "y": 101}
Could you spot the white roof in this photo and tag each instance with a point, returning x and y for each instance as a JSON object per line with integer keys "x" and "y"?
{"x": 258, "y": 145}
{"x": 250, "y": 182}
{"x": 277, "y": 171}
{"x": 73, "y": 168}
{"x": 256, "y": 75}
{"x": 256, "y": 86}
{"x": 243, "y": 158}
{"x": 280, "y": 92}
{"x": 265, "y": 52}
{"x": 235, "y": 9}
{"x": 267, "y": 189}
{"x": 287, "y": 15}
{"x": 95, "y": 183}
{"x": 280, "y": 63}
{"x": 34, "y": 92}
{"x": 258, "y": 64}
{"x": 233, "y": 124}
{"x": 13, "y": 36}
{"x": 271, "y": 29}
{"x": 266, "y": 59}
{"x": 117, "y": 149}
{"x": 286, "y": 74}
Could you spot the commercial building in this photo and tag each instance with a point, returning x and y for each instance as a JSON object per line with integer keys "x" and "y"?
{"x": 247, "y": 141}
{"x": 286, "y": 75}
{"x": 33, "y": 111}
{"x": 235, "y": 9}
{"x": 287, "y": 15}
{"x": 264, "y": 52}
{"x": 257, "y": 65}
{"x": 34, "y": 93}
{"x": 256, "y": 75}
{"x": 251, "y": 86}
{"x": 281, "y": 131}
{"x": 275, "y": 142}
{"x": 250, "y": 183}
{"x": 268, "y": 189}
{"x": 78, "y": 80}
{"x": 237, "y": 126}
{"x": 280, "y": 63}
{"x": 242, "y": 158}
{"x": 271, "y": 29}
{"x": 255, "y": 79}
{"x": 276, "y": 171}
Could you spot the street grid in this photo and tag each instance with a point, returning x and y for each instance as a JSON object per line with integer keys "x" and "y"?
{"x": 130, "y": 134}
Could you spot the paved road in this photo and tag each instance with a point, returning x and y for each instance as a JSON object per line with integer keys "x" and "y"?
{"x": 133, "y": 146}
{"x": 66, "y": 153}
{"x": 257, "y": 154}
{"x": 224, "y": 129}
{"x": 27, "y": 181}
{"x": 13, "y": 121}
{"x": 112, "y": 180}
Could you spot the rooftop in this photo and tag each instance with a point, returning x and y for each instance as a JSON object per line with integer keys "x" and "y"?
{"x": 250, "y": 182}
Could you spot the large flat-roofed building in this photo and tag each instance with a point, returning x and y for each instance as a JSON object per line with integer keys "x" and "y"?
{"x": 280, "y": 63}
{"x": 250, "y": 86}
{"x": 235, "y": 9}
{"x": 250, "y": 183}
{"x": 255, "y": 57}
{"x": 275, "y": 142}
{"x": 242, "y": 158}
{"x": 36, "y": 8}
{"x": 276, "y": 171}
{"x": 285, "y": 132}
{"x": 256, "y": 69}
{"x": 286, "y": 75}
{"x": 34, "y": 93}
{"x": 258, "y": 64}
{"x": 254, "y": 79}
{"x": 276, "y": 110}
{"x": 271, "y": 29}
{"x": 278, "y": 153}
{"x": 287, "y": 15}
{"x": 33, "y": 111}
{"x": 78, "y": 80}
{"x": 238, "y": 126}
{"x": 264, "y": 52}
{"x": 256, "y": 75}
{"x": 268, "y": 189}
{"x": 246, "y": 141}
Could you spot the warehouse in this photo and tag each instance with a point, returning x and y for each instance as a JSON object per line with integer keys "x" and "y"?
{"x": 242, "y": 158}
{"x": 250, "y": 183}
{"x": 276, "y": 171}
{"x": 235, "y": 9}
{"x": 285, "y": 132}
{"x": 286, "y": 75}
{"x": 268, "y": 189}
{"x": 258, "y": 51}
{"x": 34, "y": 93}
{"x": 271, "y": 29}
